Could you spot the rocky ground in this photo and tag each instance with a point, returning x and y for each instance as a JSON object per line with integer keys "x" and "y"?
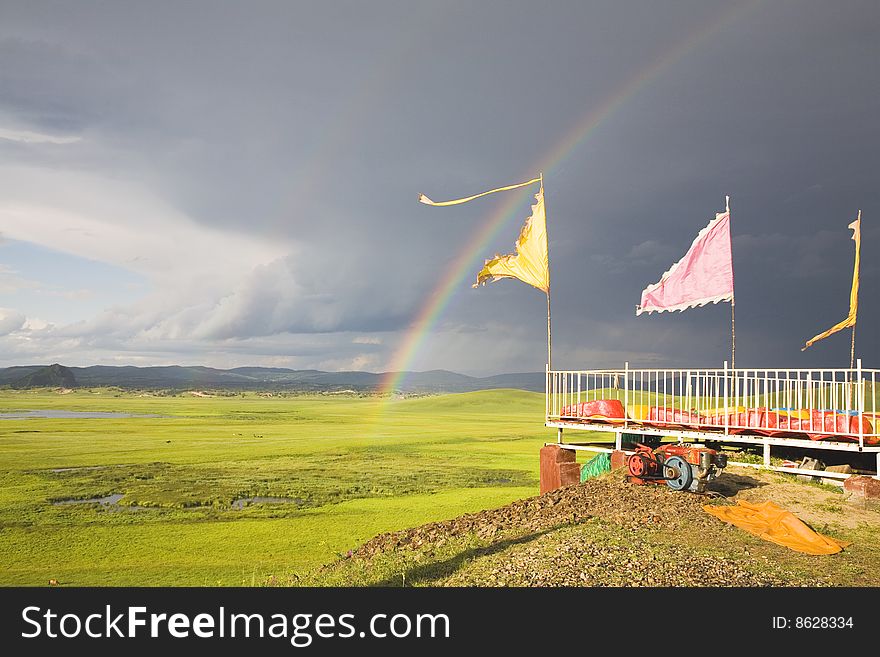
{"x": 597, "y": 555}
{"x": 608, "y": 532}
{"x": 610, "y": 498}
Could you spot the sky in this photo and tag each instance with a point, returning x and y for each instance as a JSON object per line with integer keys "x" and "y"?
{"x": 230, "y": 184}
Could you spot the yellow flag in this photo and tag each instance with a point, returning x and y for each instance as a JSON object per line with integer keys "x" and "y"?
{"x": 854, "y": 293}
{"x": 530, "y": 263}
{"x": 424, "y": 199}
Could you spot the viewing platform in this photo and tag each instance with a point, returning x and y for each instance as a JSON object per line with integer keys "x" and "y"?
{"x": 808, "y": 409}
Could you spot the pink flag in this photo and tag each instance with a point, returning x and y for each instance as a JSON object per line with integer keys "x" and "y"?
{"x": 704, "y": 275}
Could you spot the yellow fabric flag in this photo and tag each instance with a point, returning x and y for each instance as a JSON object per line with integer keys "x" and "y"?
{"x": 424, "y": 199}
{"x": 854, "y": 293}
{"x": 530, "y": 263}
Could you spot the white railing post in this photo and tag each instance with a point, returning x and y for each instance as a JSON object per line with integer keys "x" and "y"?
{"x": 554, "y": 384}
{"x": 547, "y": 394}
{"x": 726, "y": 399}
{"x": 766, "y": 390}
{"x": 810, "y": 387}
{"x": 860, "y": 392}
{"x": 625, "y": 392}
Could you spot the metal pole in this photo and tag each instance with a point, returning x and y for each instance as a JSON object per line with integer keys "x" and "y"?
{"x": 549, "y": 343}
{"x": 547, "y": 394}
{"x": 547, "y": 230}
{"x": 726, "y": 401}
{"x": 852, "y": 342}
{"x": 849, "y": 375}
{"x": 732, "y": 298}
{"x": 732, "y": 332}
{"x": 852, "y": 347}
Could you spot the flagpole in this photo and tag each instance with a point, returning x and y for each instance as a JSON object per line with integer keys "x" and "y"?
{"x": 852, "y": 344}
{"x": 549, "y": 340}
{"x": 733, "y": 332}
{"x": 732, "y": 298}
{"x": 852, "y": 348}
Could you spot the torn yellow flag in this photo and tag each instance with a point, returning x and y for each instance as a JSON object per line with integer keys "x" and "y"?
{"x": 530, "y": 263}
{"x": 853, "y": 295}
{"x": 424, "y": 199}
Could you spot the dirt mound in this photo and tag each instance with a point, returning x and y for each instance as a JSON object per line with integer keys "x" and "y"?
{"x": 608, "y": 532}
{"x": 604, "y": 554}
{"x": 609, "y": 498}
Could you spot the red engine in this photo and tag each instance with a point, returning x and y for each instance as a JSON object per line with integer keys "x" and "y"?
{"x": 680, "y": 466}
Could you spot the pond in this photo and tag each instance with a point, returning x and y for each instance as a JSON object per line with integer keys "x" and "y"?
{"x": 108, "y": 500}
{"x": 246, "y": 501}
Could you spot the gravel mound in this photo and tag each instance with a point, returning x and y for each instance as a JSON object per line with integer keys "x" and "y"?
{"x": 608, "y": 532}
{"x": 610, "y": 497}
{"x": 590, "y": 556}
{"x": 597, "y": 533}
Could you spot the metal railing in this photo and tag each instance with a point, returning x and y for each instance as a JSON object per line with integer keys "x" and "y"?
{"x": 836, "y": 404}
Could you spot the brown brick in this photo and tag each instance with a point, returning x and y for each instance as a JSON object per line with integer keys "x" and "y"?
{"x": 861, "y": 486}
{"x": 558, "y": 454}
{"x": 846, "y": 468}
{"x": 551, "y": 457}
{"x": 569, "y": 474}
{"x": 618, "y": 459}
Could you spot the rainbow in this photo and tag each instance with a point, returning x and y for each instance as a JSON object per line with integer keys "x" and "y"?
{"x": 466, "y": 262}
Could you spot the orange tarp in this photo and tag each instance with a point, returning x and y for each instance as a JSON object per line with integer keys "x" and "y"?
{"x": 773, "y": 523}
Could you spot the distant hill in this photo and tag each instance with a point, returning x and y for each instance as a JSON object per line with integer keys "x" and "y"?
{"x": 52, "y": 376}
{"x": 178, "y": 377}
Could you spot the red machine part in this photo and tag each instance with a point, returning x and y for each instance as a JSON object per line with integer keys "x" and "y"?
{"x": 646, "y": 466}
{"x": 690, "y": 453}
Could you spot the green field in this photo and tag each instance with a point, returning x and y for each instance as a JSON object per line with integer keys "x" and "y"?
{"x": 349, "y": 467}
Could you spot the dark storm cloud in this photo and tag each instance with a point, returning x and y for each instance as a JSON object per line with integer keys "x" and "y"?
{"x": 315, "y": 125}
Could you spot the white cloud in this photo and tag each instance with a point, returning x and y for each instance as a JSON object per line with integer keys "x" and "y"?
{"x": 10, "y": 321}
{"x": 367, "y": 339}
{"x": 36, "y": 324}
{"x": 191, "y": 267}
{"x": 358, "y": 363}
{"x": 30, "y": 137}
{"x": 123, "y": 224}
{"x": 80, "y": 294}
{"x": 215, "y": 297}
{"x": 11, "y": 282}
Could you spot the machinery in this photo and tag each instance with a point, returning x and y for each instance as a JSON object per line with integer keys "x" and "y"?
{"x": 681, "y": 466}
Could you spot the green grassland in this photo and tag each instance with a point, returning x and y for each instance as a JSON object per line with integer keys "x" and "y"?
{"x": 351, "y": 467}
